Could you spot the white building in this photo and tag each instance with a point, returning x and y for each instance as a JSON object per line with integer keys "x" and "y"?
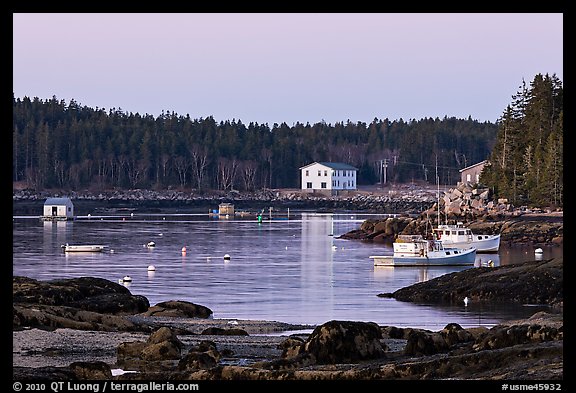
{"x": 328, "y": 176}
{"x": 58, "y": 209}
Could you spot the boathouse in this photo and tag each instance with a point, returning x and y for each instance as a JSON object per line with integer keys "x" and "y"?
{"x": 226, "y": 208}
{"x": 471, "y": 174}
{"x": 58, "y": 209}
{"x": 329, "y": 177}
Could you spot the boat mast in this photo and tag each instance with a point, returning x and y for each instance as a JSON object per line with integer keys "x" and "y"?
{"x": 438, "y": 190}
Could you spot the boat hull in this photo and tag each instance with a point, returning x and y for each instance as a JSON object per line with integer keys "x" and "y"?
{"x": 83, "y": 248}
{"x": 446, "y": 257}
{"x": 482, "y": 243}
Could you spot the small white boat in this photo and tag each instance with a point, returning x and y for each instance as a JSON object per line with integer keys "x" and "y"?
{"x": 82, "y": 248}
{"x": 460, "y": 236}
{"x": 414, "y": 250}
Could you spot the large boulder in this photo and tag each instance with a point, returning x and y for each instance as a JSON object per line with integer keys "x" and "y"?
{"x": 85, "y": 293}
{"x": 345, "y": 342}
{"x": 161, "y": 351}
{"x": 178, "y": 309}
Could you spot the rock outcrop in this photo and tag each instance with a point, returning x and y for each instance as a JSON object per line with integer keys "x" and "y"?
{"x": 535, "y": 282}
{"x": 514, "y": 229}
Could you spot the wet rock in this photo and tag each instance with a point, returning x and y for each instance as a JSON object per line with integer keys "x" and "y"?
{"x": 179, "y": 309}
{"x": 53, "y": 317}
{"x": 91, "y": 370}
{"x": 86, "y": 293}
{"x": 203, "y": 356}
{"x": 291, "y": 347}
{"x": 344, "y": 342}
{"x": 536, "y": 282}
{"x": 161, "y": 348}
{"x": 224, "y": 332}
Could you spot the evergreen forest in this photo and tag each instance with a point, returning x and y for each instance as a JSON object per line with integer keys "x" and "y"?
{"x": 60, "y": 145}
{"x": 527, "y": 162}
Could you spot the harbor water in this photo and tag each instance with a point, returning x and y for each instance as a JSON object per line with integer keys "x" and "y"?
{"x": 290, "y": 269}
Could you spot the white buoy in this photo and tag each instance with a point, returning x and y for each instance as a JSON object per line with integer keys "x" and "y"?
{"x": 233, "y": 322}
{"x": 184, "y": 249}
{"x": 127, "y": 279}
{"x": 151, "y": 268}
{"x": 334, "y": 248}
{"x": 466, "y": 300}
{"x": 538, "y": 251}
{"x": 227, "y": 257}
{"x": 151, "y": 244}
{"x": 131, "y": 214}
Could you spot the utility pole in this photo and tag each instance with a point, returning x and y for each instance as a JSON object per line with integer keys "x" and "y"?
{"x": 385, "y": 165}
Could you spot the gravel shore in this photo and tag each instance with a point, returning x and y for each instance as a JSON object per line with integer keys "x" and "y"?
{"x": 60, "y": 347}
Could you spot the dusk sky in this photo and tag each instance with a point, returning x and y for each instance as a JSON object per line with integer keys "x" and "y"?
{"x": 286, "y": 67}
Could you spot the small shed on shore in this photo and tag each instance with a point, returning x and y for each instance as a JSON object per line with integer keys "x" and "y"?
{"x": 58, "y": 209}
{"x": 471, "y": 174}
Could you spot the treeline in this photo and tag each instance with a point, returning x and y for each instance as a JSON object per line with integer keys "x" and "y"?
{"x": 527, "y": 163}
{"x": 69, "y": 146}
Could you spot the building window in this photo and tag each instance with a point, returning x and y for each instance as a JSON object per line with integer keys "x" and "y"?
{"x": 309, "y": 184}
{"x": 307, "y": 172}
{"x": 325, "y": 173}
{"x": 468, "y": 177}
{"x": 319, "y": 172}
{"x": 323, "y": 184}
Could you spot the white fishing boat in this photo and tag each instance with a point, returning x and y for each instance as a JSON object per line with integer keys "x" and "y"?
{"x": 414, "y": 250}
{"x": 460, "y": 236}
{"x": 82, "y": 248}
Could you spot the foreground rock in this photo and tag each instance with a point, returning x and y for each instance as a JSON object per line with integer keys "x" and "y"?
{"x": 530, "y": 349}
{"x": 89, "y": 303}
{"x": 173, "y": 348}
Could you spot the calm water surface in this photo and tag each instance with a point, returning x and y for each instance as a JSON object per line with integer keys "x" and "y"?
{"x": 290, "y": 270}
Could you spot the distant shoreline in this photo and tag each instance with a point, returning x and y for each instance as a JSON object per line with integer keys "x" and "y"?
{"x": 30, "y": 203}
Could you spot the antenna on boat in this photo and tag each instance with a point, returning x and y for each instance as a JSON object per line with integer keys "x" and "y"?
{"x": 438, "y": 190}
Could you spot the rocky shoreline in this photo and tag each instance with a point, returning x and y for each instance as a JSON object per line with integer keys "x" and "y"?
{"x": 538, "y": 229}
{"x": 94, "y": 329}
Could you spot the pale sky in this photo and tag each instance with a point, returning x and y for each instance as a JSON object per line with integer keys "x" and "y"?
{"x": 286, "y": 67}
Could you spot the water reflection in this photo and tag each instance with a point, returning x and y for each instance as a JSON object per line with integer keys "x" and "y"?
{"x": 295, "y": 270}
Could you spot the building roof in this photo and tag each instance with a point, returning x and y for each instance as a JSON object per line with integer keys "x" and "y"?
{"x": 58, "y": 201}
{"x": 338, "y": 166}
{"x": 472, "y": 166}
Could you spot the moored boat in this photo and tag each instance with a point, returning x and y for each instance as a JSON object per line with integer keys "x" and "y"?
{"x": 462, "y": 237}
{"x": 414, "y": 250}
{"x": 82, "y": 248}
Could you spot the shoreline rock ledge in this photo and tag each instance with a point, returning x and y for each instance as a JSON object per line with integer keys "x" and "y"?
{"x": 532, "y": 282}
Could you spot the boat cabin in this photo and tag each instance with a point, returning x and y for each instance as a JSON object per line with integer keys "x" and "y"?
{"x": 58, "y": 209}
